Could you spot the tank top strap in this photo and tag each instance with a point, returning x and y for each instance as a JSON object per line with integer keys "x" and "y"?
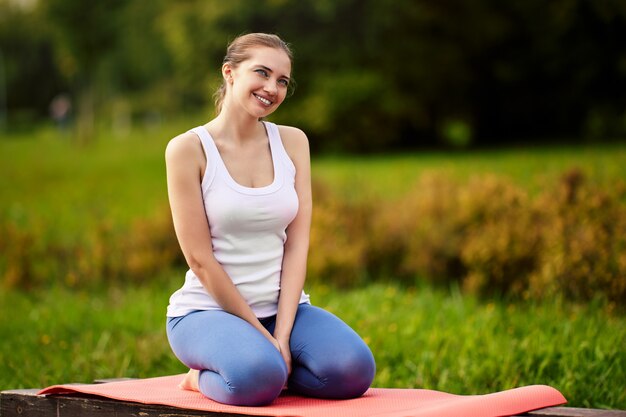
{"x": 210, "y": 152}
{"x": 278, "y": 148}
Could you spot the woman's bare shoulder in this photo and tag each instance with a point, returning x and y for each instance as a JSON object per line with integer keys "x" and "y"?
{"x": 294, "y": 140}
{"x": 291, "y": 133}
{"x": 185, "y": 146}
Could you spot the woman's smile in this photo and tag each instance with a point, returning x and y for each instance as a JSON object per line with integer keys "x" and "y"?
{"x": 265, "y": 101}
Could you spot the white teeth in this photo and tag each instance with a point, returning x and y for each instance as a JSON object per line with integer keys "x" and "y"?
{"x": 263, "y": 100}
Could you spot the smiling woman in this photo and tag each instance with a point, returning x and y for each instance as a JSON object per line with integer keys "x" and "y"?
{"x": 240, "y": 195}
{"x": 267, "y": 84}
{"x": 242, "y": 49}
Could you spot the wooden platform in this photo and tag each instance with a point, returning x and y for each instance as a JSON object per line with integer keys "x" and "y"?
{"x": 26, "y": 403}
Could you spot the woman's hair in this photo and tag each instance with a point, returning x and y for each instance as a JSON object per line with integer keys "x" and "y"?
{"x": 238, "y": 51}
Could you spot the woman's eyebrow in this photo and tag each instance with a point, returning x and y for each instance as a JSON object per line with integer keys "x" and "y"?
{"x": 268, "y": 69}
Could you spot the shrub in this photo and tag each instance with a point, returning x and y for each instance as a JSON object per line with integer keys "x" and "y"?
{"x": 151, "y": 246}
{"x": 501, "y": 236}
{"x": 479, "y": 233}
{"x": 36, "y": 253}
{"x": 583, "y": 251}
{"x": 338, "y": 238}
{"x": 492, "y": 237}
{"x": 417, "y": 235}
{"x": 486, "y": 234}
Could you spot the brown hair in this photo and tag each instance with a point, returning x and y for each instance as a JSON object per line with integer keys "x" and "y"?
{"x": 237, "y": 52}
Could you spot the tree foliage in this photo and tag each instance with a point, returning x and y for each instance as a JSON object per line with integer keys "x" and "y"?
{"x": 371, "y": 74}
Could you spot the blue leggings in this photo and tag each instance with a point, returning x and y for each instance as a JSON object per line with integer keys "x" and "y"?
{"x": 239, "y": 366}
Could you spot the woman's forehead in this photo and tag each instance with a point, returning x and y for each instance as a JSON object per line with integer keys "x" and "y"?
{"x": 273, "y": 58}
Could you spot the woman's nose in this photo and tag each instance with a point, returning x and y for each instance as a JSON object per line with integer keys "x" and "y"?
{"x": 270, "y": 87}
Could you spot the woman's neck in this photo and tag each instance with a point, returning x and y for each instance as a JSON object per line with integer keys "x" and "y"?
{"x": 236, "y": 126}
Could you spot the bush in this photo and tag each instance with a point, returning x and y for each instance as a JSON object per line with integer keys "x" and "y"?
{"x": 486, "y": 234}
{"x": 583, "y": 251}
{"x": 35, "y": 253}
{"x": 338, "y": 238}
{"x": 479, "y": 233}
{"x": 493, "y": 238}
{"x": 417, "y": 235}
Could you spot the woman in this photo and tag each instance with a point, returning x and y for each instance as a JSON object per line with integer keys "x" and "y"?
{"x": 240, "y": 196}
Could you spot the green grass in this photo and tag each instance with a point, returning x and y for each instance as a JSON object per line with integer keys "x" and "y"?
{"x": 47, "y": 176}
{"x": 421, "y": 338}
{"x": 52, "y": 178}
{"x": 532, "y": 168}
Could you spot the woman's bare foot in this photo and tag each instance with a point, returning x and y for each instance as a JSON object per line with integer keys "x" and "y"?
{"x": 190, "y": 382}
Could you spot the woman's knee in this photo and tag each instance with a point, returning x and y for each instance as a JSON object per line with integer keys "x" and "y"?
{"x": 341, "y": 364}
{"x": 251, "y": 384}
{"x": 351, "y": 376}
{"x": 238, "y": 365}
{"x": 339, "y": 380}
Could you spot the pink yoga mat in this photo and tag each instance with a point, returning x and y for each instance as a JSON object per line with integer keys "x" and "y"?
{"x": 377, "y": 402}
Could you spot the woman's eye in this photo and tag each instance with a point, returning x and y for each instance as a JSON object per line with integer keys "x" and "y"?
{"x": 262, "y": 72}
{"x": 283, "y": 82}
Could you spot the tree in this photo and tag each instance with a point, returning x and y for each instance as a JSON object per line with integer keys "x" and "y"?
{"x": 86, "y": 34}
{"x": 29, "y": 77}
{"x": 372, "y": 75}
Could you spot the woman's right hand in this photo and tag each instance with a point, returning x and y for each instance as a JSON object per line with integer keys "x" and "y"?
{"x": 286, "y": 354}
{"x": 274, "y": 342}
{"x": 268, "y": 336}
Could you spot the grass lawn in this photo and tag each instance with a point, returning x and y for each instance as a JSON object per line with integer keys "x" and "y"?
{"x": 46, "y": 176}
{"x": 530, "y": 167}
{"x": 421, "y": 338}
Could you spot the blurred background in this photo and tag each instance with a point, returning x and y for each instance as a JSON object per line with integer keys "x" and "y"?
{"x": 469, "y": 175}
{"x": 372, "y": 75}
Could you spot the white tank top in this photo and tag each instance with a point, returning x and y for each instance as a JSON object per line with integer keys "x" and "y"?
{"x": 247, "y": 229}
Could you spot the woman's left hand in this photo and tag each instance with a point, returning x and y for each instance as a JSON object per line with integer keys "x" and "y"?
{"x": 285, "y": 352}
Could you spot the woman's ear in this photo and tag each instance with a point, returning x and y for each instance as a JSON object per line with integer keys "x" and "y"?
{"x": 227, "y": 73}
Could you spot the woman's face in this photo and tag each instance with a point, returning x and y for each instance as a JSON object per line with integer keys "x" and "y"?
{"x": 259, "y": 84}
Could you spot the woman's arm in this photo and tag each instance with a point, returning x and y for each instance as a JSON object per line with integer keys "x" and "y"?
{"x": 185, "y": 163}
{"x": 297, "y": 245}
